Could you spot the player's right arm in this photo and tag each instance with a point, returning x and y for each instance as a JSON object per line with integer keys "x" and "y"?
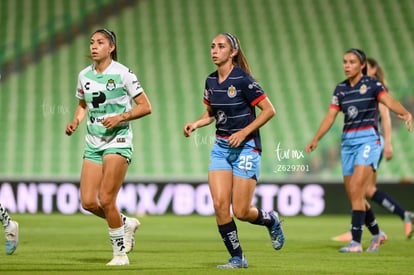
{"x": 206, "y": 119}
{"x": 80, "y": 114}
{"x": 326, "y": 124}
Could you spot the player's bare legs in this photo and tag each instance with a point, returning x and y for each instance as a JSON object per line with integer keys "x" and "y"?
{"x": 114, "y": 169}
{"x": 221, "y": 184}
{"x": 91, "y": 179}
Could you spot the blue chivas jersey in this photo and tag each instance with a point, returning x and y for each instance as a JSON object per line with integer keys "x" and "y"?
{"x": 233, "y": 102}
{"x": 360, "y": 107}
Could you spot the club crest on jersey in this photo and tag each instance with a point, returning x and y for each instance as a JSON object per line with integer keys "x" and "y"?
{"x": 231, "y": 91}
{"x": 110, "y": 85}
{"x": 363, "y": 89}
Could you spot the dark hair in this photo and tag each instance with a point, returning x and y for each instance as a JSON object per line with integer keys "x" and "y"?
{"x": 112, "y": 39}
{"x": 379, "y": 72}
{"x": 361, "y": 56}
{"x": 239, "y": 59}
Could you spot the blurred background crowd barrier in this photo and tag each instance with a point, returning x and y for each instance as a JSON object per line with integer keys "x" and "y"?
{"x": 294, "y": 48}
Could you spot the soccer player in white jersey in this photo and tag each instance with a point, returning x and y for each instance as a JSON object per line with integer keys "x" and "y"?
{"x": 358, "y": 97}
{"x": 231, "y": 96}
{"x": 11, "y": 230}
{"x": 105, "y": 91}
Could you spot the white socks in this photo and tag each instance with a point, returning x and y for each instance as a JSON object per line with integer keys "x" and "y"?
{"x": 4, "y": 216}
{"x": 117, "y": 239}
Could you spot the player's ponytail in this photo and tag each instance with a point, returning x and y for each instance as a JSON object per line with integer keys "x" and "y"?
{"x": 379, "y": 72}
{"x": 239, "y": 59}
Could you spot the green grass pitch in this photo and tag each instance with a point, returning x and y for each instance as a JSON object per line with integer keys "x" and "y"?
{"x": 168, "y": 244}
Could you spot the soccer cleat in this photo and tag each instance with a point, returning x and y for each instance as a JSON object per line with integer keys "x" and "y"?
{"x": 345, "y": 237}
{"x": 235, "y": 262}
{"x": 131, "y": 225}
{"x": 276, "y": 232}
{"x": 119, "y": 260}
{"x": 377, "y": 241}
{"x": 408, "y": 224}
{"x": 352, "y": 247}
{"x": 12, "y": 237}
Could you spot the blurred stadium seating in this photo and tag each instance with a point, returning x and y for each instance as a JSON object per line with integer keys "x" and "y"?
{"x": 294, "y": 48}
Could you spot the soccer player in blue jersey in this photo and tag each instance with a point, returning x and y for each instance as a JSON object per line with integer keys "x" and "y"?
{"x": 231, "y": 95}
{"x": 106, "y": 90}
{"x": 383, "y": 199}
{"x": 358, "y": 98}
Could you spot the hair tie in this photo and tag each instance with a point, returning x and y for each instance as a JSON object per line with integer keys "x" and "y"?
{"x": 233, "y": 40}
{"x": 108, "y": 33}
{"x": 359, "y": 53}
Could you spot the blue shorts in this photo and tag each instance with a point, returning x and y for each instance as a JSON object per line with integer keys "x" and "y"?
{"x": 244, "y": 161}
{"x": 368, "y": 154}
{"x": 382, "y": 150}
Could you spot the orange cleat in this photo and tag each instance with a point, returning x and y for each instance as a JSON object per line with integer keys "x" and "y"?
{"x": 408, "y": 224}
{"x": 345, "y": 237}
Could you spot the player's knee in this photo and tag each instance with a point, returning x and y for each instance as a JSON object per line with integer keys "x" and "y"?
{"x": 221, "y": 212}
{"x": 241, "y": 214}
{"x": 220, "y": 206}
{"x": 369, "y": 192}
{"x": 91, "y": 206}
{"x": 107, "y": 203}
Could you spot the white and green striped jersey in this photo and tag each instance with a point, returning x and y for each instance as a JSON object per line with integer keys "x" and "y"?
{"x": 108, "y": 94}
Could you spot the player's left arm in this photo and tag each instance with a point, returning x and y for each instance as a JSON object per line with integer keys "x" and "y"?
{"x": 136, "y": 92}
{"x": 142, "y": 108}
{"x": 397, "y": 108}
{"x": 386, "y": 127}
{"x": 266, "y": 113}
{"x": 142, "y": 104}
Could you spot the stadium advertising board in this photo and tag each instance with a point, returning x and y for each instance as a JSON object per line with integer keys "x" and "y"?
{"x": 289, "y": 199}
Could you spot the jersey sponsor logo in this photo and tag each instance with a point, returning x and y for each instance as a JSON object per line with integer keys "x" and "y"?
{"x": 121, "y": 140}
{"x": 138, "y": 85}
{"x": 231, "y": 91}
{"x": 98, "y": 111}
{"x": 208, "y": 92}
{"x": 96, "y": 119}
{"x": 363, "y": 89}
{"x": 221, "y": 117}
{"x": 98, "y": 98}
{"x": 254, "y": 85}
{"x": 352, "y": 112}
{"x": 110, "y": 85}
